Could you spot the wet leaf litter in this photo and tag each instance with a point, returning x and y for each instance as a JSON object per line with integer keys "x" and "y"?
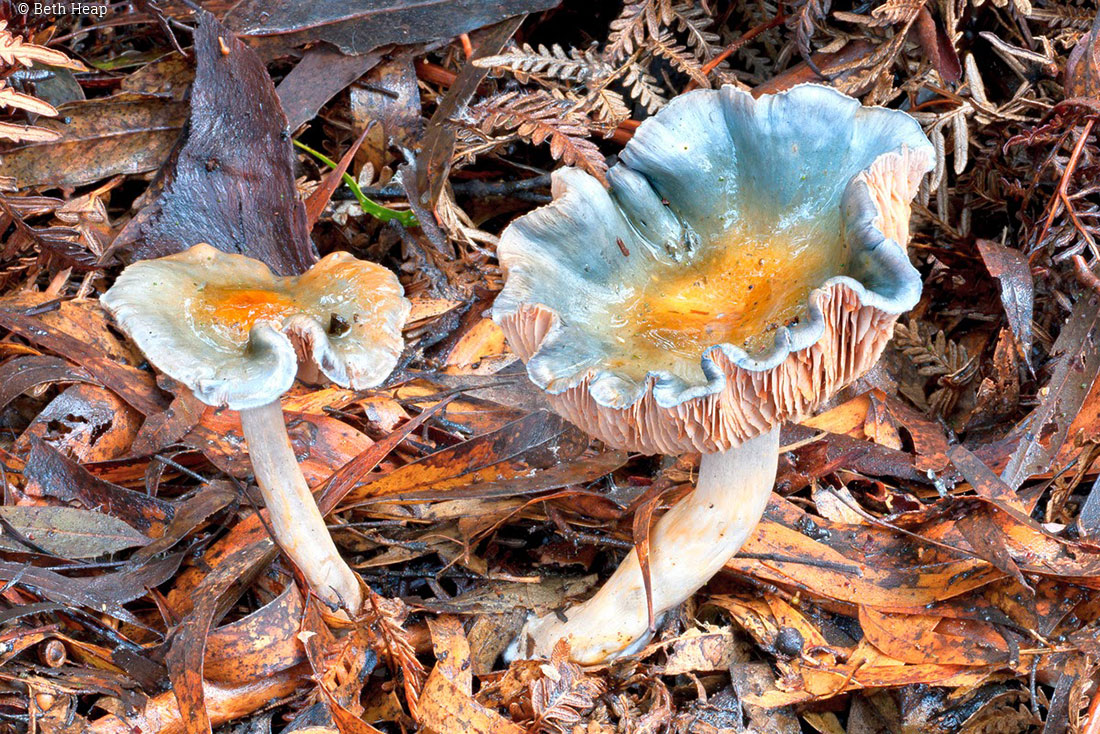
{"x": 927, "y": 559}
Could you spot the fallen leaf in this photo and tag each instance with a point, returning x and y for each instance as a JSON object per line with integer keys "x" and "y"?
{"x": 537, "y": 441}
{"x": 188, "y": 647}
{"x": 1011, "y": 268}
{"x": 321, "y": 74}
{"x": 917, "y": 639}
{"x": 433, "y": 162}
{"x": 1040, "y": 436}
{"x": 232, "y": 183}
{"x": 52, "y": 474}
{"x": 697, "y": 651}
{"x": 189, "y": 514}
{"x": 446, "y": 704}
{"x": 937, "y": 46}
{"x": 357, "y": 30}
{"x": 1083, "y": 65}
{"x": 23, "y": 373}
{"x": 68, "y": 532}
{"x": 98, "y": 138}
{"x": 87, "y": 422}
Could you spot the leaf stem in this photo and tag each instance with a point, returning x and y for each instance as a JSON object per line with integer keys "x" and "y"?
{"x": 376, "y": 210}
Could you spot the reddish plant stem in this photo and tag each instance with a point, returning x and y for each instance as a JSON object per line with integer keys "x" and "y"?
{"x": 745, "y": 38}
{"x": 1063, "y": 184}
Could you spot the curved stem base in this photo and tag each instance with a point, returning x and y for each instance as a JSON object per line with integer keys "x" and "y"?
{"x": 689, "y": 544}
{"x": 296, "y": 522}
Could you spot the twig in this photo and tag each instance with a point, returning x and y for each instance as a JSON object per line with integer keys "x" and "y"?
{"x": 1063, "y": 184}
{"x": 744, "y": 38}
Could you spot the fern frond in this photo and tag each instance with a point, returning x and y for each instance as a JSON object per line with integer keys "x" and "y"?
{"x": 609, "y": 109}
{"x": 539, "y": 117}
{"x": 644, "y": 88}
{"x": 809, "y": 15}
{"x": 14, "y": 50}
{"x": 548, "y": 63}
{"x": 17, "y": 100}
{"x": 679, "y": 57}
{"x": 563, "y": 694}
{"x": 1064, "y": 16}
{"x": 934, "y": 355}
{"x": 391, "y": 641}
{"x": 26, "y": 133}
{"x": 638, "y": 19}
{"x": 694, "y": 21}
{"x": 896, "y": 12}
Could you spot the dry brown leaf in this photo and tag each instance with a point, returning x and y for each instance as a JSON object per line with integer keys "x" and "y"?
{"x": 446, "y": 703}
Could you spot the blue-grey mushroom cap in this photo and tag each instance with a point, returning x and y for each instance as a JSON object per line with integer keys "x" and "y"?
{"x": 810, "y": 160}
{"x": 237, "y": 335}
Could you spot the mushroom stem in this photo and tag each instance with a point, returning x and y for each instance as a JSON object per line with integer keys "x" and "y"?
{"x": 689, "y": 544}
{"x": 297, "y": 523}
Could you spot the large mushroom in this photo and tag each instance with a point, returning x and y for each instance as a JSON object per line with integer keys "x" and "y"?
{"x": 236, "y": 335}
{"x": 748, "y": 260}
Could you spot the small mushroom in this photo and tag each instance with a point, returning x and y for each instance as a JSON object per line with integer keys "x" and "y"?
{"x": 767, "y": 268}
{"x": 236, "y": 335}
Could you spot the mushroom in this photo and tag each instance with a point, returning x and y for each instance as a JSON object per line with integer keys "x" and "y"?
{"x": 748, "y": 260}
{"x": 236, "y": 335}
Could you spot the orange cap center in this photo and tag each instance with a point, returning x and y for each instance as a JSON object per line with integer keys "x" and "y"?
{"x": 738, "y": 293}
{"x": 233, "y": 311}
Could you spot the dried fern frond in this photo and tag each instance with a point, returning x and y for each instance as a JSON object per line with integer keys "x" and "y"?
{"x": 14, "y": 50}
{"x": 548, "y": 63}
{"x": 638, "y": 19}
{"x": 391, "y": 641}
{"x": 644, "y": 88}
{"x": 1065, "y": 16}
{"x": 17, "y": 100}
{"x": 609, "y": 109}
{"x": 564, "y": 693}
{"x": 679, "y": 57}
{"x": 806, "y": 20}
{"x": 694, "y": 20}
{"x": 933, "y": 354}
{"x": 26, "y": 133}
{"x": 895, "y": 12}
{"x": 936, "y": 356}
{"x": 539, "y": 117}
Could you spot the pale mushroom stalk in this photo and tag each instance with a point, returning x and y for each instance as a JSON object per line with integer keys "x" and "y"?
{"x": 296, "y": 522}
{"x": 238, "y": 336}
{"x": 688, "y": 545}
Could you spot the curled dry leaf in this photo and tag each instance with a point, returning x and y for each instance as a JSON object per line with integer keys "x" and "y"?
{"x": 446, "y": 704}
{"x": 259, "y": 645}
{"x": 1083, "y": 65}
{"x": 1012, "y": 269}
{"x": 88, "y": 422}
{"x": 231, "y": 185}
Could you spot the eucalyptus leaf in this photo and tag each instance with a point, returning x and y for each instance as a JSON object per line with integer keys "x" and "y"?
{"x": 68, "y": 532}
